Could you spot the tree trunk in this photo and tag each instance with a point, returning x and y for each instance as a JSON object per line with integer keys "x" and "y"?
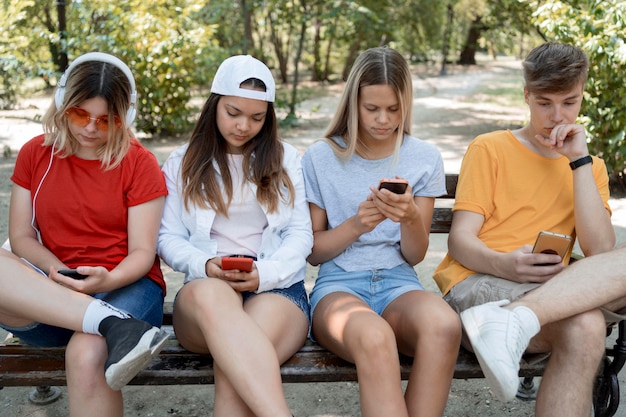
{"x": 446, "y": 39}
{"x": 468, "y": 54}
{"x": 296, "y": 60}
{"x": 316, "y": 74}
{"x": 278, "y": 48}
{"x": 248, "y": 41}
{"x": 329, "y": 47}
{"x": 62, "y": 34}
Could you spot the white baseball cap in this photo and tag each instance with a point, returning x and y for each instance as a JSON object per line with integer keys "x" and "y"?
{"x": 239, "y": 68}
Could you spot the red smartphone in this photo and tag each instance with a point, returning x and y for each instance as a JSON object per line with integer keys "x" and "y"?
{"x": 552, "y": 243}
{"x": 241, "y": 264}
{"x": 395, "y": 185}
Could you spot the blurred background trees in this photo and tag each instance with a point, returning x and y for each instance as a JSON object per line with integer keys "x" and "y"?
{"x": 175, "y": 46}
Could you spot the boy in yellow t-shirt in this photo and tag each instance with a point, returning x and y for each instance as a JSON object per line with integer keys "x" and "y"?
{"x": 512, "y": 185}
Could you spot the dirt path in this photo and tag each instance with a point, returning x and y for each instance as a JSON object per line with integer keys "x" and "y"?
{"x": 449, "y": 111}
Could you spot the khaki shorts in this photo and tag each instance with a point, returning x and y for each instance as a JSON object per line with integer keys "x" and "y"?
{"x": 482, "y": 288}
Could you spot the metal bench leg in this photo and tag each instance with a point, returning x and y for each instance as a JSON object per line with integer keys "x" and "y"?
{"x": 527, "y": 390}
{"x": 44, "y": 395}
{"x": 606, "y": 391}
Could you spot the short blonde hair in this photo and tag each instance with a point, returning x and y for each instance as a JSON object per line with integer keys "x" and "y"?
{"x": 88, "y": 80}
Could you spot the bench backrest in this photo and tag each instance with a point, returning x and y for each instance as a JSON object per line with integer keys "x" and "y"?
{"x": 442, "y": 216}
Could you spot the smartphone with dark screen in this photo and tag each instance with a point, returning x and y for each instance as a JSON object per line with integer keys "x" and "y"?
{"x": 395, "y": 185}
{"x": 72, "y": 273}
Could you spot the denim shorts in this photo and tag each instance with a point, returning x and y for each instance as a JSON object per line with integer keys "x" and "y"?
{"x": 143, "y": 299}
{"x": 296, "y": 293}
{"x": 377, "y": 287}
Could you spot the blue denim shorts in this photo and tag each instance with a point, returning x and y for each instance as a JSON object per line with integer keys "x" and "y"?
{"x": 378, "y": 287}
{"x": 296, "y": 294}
{"x": 143, "y": 299}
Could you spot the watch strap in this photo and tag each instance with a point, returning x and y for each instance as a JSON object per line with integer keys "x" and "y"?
{"x": 580, "y": 162}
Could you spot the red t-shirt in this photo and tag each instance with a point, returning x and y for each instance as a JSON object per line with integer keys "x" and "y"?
{"x": 81, "y": 209}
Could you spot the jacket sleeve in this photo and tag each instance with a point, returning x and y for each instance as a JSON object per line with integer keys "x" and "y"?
{"x": 175, "y": 244}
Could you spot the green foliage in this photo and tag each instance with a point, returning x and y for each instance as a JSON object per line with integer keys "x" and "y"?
{"x": 598, "y": 27}
{"x": 19, "y": 44}
{"x": 9, "y": 81}
{"x": 175, "y": 46}
{"x": 163, "y": 44}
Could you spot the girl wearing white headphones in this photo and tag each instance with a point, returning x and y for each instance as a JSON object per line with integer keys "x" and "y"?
{"x": 87, "y": 196}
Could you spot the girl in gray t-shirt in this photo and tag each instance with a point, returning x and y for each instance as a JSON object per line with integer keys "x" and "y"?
{"x": 368, "y": 304}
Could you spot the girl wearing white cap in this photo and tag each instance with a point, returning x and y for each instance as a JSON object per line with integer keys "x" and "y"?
{"x": 236, "y": 191}
{"x": 368, "y": 304}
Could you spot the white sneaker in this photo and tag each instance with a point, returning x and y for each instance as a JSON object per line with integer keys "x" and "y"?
{"x": 499, "y": 337}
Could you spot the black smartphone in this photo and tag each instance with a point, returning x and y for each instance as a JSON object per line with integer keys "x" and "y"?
{"x": 241, "y": 264}
{"x": 72, "y": 273}
{"x": 395, "y": 185}
{"x": 552, "y": 243}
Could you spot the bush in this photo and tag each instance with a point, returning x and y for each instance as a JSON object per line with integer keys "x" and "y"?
{"x": 598, "y": 27}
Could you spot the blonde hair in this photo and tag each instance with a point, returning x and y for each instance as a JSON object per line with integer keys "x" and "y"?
{"x": 88, "y": 80}
{"x": 375, "y": 66}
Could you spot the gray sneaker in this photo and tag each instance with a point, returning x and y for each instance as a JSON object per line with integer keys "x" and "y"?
{"x": 499, "y": 337}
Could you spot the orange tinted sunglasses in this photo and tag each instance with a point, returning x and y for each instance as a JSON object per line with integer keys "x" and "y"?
{"x": 82, "y": 118}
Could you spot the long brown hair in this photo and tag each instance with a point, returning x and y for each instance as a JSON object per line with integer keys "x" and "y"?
{"x": 262, "y": 162}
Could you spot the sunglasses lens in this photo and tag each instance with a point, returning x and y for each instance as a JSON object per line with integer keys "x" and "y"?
{"x": 82, "y": 118}
{"x": 78, "y": 116}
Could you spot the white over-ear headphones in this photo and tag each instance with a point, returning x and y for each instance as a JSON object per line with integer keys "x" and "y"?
{"x": 109, "y": 59}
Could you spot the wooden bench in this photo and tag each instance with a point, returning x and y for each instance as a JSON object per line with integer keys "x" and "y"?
{"x": 24, "y": 365}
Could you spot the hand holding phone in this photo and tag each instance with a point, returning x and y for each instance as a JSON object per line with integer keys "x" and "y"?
{"x": 72, "y": 273}
{"x": 552, "y": 243}
{"x": 395, "y": 185}
{"x": 241, "y": 264}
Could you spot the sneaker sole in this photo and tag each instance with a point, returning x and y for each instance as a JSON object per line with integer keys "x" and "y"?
{"x": 150, "y": 344}
{"x": 489, "y": 368}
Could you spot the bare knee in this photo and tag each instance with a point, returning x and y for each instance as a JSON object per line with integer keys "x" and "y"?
{"x": 375, "y": 345}
{"x": 445, "y": 324}
{"x": 207, "y": 297}
{"x": 85, "y": 356}
{"x": 582, "y": 335}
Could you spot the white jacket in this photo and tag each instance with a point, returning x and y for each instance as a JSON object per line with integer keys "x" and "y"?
{"x": 185, "y": 242}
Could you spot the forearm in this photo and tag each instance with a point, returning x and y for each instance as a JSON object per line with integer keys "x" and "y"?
{"x": 35, "y": 253}
{"x": 594, "y": 230}
{"x": 133, "y": 267}
{"x": 472, "y": 253}
{"x": 414, "y": 240}
{"x": 327, "y": 244}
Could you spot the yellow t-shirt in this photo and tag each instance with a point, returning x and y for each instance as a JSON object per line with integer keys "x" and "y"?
{"x": 519, "y": 192}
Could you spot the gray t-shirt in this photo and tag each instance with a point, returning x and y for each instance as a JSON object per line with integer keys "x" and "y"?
{"x": 339, "y": 186}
